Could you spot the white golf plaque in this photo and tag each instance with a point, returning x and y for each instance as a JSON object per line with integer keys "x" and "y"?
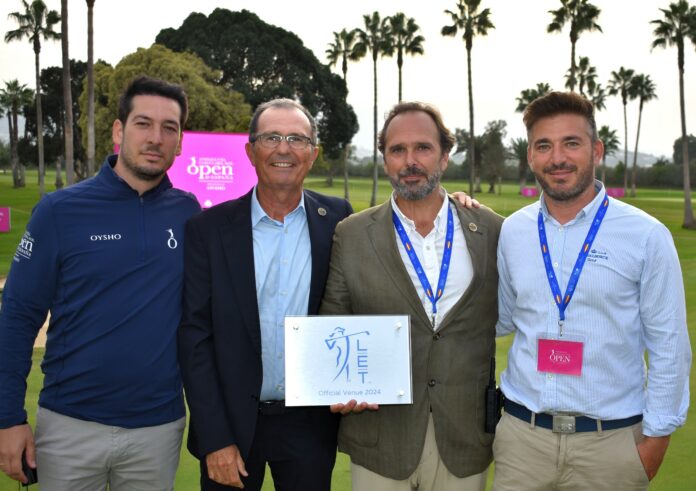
{"x": 332, "y": 359}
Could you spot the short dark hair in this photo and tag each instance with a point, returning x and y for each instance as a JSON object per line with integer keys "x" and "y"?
{"x": 281, "y": 103}
{"x": 555, "y": 103}
{"x": 446, "y": 138}
{"x": 152, "y": 86}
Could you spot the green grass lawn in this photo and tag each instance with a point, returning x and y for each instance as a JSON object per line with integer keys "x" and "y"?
{"x": 677, "y": 473}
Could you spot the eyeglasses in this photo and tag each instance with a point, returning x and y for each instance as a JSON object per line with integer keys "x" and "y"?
{"x": 272, "y": 140}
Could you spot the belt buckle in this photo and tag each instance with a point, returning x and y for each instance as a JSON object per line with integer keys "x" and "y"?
{"x": 563, "y": 423}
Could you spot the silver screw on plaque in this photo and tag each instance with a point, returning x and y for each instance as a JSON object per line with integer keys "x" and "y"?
{"x": 401, "y": 393}
{"x": 398, "y": 325}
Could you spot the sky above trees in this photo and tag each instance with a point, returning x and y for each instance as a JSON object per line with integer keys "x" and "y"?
{"x": 516, "y": 55}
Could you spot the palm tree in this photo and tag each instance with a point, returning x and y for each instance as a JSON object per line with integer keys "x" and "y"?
{"x": 67, "y": 95}
{"x": 585, "y": 74}
{"x": 582, "y": 16}
{"x": 528, "y": 95}
{"x": 34, "y": 23}
{"x": 677, "y": 26}
{"x": 618, "y": 85}
{"x": 643, "y": 89}
{"x": 14, "y": 96}
{"x": 90, "y": 88}
{"x": 405, "y": 40}
{"x": 344, "y": 49}
{"x": 518, "y": 150}
{"x": 597, "y": 95}
{"x": 375, "y": 38}
{"x": 471, "y": 22}
{"x": 611, "y": 145}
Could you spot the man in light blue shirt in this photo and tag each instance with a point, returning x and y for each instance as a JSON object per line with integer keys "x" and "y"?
{"x": 589, "y": 285}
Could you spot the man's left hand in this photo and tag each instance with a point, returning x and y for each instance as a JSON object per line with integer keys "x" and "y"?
{"x": 465, "y": 200}
{"x": 651, "y": 450}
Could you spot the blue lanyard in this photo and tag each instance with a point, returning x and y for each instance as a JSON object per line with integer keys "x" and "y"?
{"x": 444, "y": 268}
{"x": 563, "y": 301}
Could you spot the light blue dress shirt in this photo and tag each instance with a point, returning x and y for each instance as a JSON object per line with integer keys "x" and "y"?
{"x": 629, "y": 302}
{"x": 283, "y": 267}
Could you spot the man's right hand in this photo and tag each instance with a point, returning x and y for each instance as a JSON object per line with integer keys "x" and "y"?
{"x": 13, "y": 441}
{"x": 352, "y": 406}
{"x": 226, "y": 466}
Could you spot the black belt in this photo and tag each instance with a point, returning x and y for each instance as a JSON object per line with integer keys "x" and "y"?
{"x": 568, "y": 423}
{"x": 271, "y": 408}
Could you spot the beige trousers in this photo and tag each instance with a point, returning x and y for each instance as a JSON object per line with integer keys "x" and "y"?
{"x": 531, "y": 458}
{"x": 430, "y": 475}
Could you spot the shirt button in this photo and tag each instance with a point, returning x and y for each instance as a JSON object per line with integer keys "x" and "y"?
{"x": 555, "y": 265}
{"x": 280, "y": 355}
{"x": 427, "y": 248}
{"x": 432, "y": 383}
{"x": 549, "y": 376}
{"x": 283, "y": 293}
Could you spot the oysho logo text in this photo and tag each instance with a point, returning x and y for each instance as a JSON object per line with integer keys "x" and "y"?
{"x": 99, "y": 237}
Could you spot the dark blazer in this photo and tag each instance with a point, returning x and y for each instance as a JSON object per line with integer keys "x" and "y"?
{"x": 219, "y": 334}
{"x": 450, "y": 367}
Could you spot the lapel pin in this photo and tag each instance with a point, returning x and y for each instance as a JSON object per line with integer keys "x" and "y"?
{"x": 321, "y": 211}
{"x": 473, "y": 227}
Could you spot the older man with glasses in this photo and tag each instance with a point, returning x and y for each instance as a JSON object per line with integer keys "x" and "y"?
{"x": 249, "y": 263}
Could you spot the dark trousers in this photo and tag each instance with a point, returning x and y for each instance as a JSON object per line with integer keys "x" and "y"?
{"x": 299, "y": 445}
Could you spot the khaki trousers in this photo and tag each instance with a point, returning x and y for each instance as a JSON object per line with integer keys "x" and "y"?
{"x": 430, "y": 475}
{"x": 76, "y": 455}
{"x": 531, "y": 458}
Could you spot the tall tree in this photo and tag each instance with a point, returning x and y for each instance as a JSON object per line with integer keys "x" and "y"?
{"x": 678, "y": 26}
{"x": 34, "y": 23}
{"x": 344, "y": 48}
{"x": 405, "y": 39}
{"x": 528, "y": 95}
{"x": 584, "y": 76}
{"x": 90, "y": 88}
{"x": 263, "y": 62}
{"x": 471, "y": 22}
{"x": 597, "y": 95}
{"x": 611, "y": 145}
{"x": 643, "y": 89}
{"x": 13, "y": 97}
{"x": 619, "y": 85}
{"x": 375, "y": 38}
{"x": 582, "y": 16}
{"x": 67, "y": 96}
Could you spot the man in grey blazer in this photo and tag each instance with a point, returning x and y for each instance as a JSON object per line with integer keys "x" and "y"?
{"x": 438, "y": 442}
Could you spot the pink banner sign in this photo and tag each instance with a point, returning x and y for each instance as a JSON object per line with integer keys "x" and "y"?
{"x": 4, "y": 219}
{"x": 529, "y": 192}
{"x": 616, "y": 192}
{"x": 213, "y": 166}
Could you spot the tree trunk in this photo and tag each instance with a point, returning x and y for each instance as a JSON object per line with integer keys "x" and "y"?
{"x": 472, "y": 141}
{"x": 625, "y": 162}
{"x": 635, "y": 152}
{"x": 572, "y": 64}
{"x": 399, "y": 64}
{"x": 17, "y": 174}
{"x": 604, "y": 169}
{"x": 90, "y": 89}
{"x": 67, "y": 97}
{"x": 59, "y": 178}
{"x": 375, "y": 171}
{"x": 688, "y": 210}
{"x": 345, "y": 171}
{"x": 39, "y": 125}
